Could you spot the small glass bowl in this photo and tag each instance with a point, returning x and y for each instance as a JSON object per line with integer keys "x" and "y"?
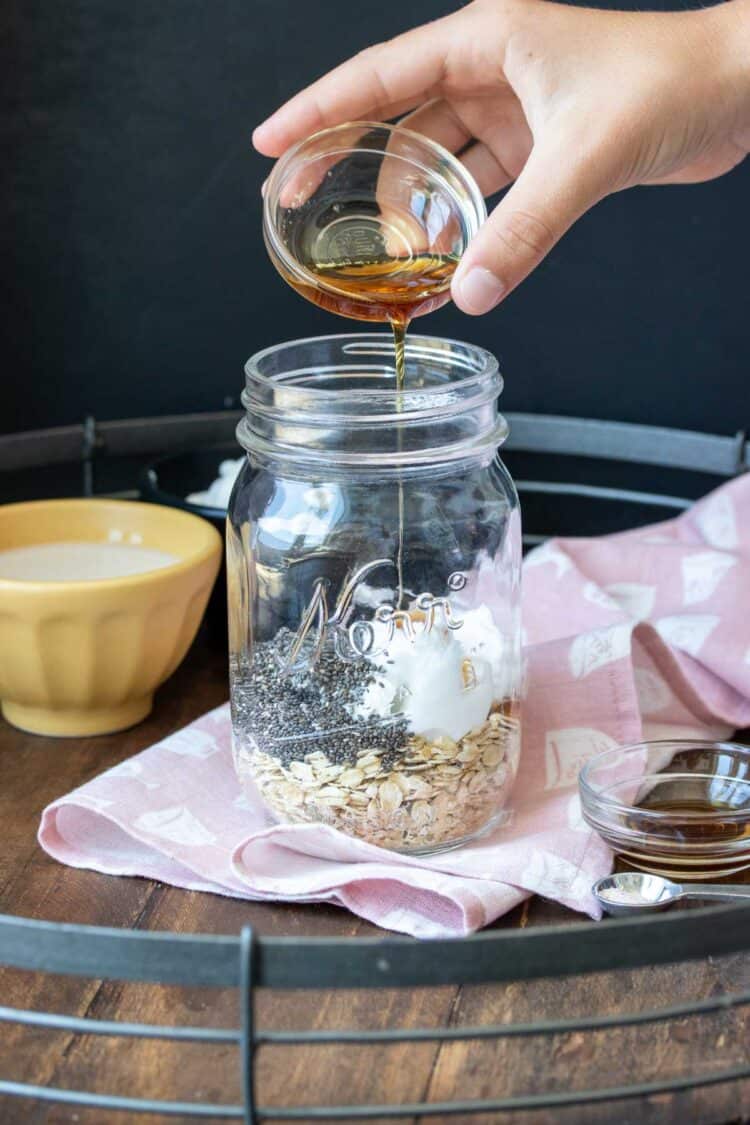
{"x": 364, "y": 195}
{"x": 678, "y": 808}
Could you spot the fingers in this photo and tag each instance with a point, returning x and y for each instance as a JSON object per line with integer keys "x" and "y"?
{"x": 546, "y": 199}
{"x": 399, "y": 73}
{"x": 486, "y": 169}
{"x": 303, "y": 181}
{"x": 438, "y": 121}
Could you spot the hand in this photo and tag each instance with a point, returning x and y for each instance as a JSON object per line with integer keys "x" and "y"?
{"x": 566, "y": 104}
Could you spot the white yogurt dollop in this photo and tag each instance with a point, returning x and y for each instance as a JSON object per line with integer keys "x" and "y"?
{"x": 444, "y": 681}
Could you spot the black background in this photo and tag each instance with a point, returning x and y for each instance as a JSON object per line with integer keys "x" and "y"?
{"x": 133, "y": 270}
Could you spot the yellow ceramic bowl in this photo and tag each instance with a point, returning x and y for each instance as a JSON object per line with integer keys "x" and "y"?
{"x": 85, "y": 657}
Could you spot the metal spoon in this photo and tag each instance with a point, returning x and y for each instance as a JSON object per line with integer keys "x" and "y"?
{"x": 634, "y": 892}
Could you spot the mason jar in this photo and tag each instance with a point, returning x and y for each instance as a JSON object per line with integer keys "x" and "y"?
{"x": 373, "y": 555}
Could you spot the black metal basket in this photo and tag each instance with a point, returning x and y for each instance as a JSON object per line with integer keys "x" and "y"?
{"x": 691, "y": 462}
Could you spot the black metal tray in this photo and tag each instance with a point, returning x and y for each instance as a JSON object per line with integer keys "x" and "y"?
{"x": 589, "y": 477}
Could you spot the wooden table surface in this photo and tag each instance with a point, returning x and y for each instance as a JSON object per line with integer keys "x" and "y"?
{"x": 36, "y": 770}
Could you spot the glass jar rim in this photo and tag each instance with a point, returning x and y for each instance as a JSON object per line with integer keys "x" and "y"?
{"x": 475, "y": 216}
{"x": 489, "y": 370}
{"x": 289, "y": 417}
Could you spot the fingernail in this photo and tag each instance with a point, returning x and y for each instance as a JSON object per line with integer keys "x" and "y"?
{"x": 479, "y": 290}
{"x": 258, "y": 133}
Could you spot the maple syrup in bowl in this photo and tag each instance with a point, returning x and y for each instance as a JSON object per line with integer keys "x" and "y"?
{"x": 370, "y": 221}
{"x": 676, "y": 808}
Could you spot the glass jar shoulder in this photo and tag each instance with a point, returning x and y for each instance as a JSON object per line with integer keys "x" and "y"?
{"x": 298, "y": 510}
{"x": 256, "y": 485}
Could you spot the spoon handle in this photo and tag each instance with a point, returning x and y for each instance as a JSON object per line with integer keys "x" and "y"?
{"x": 726, "y": 892}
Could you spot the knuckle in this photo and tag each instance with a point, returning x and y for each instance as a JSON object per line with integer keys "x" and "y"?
{"x": 368, "y": 54}
{"x": 526, "y": 234}
{"x": 318, "y": 110}
{"x": 371, "y": 58}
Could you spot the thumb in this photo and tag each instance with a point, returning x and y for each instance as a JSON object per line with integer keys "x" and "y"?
{"x": 549, "y": 195}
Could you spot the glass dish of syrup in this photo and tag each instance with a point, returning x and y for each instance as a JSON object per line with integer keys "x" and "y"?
{"x": 369, "y": 221}
{"x": 679, "y": 808}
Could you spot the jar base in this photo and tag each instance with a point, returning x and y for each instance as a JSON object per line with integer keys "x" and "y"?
{"x": 502, "y": 818}
{"x": 77, "y": 722}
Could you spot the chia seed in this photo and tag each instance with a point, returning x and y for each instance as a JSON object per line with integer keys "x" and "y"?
{"x": 294, "y": 714}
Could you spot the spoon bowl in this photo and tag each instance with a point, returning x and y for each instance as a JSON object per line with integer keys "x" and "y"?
{"x": 634, "y": 892}
{"x": 637, "y": 892}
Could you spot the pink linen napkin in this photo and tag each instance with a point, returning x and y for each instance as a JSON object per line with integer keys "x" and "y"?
{"x": 641, "y": 634}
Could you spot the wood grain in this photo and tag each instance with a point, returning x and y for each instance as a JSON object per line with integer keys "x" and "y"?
{"x": 35, "y": 771}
